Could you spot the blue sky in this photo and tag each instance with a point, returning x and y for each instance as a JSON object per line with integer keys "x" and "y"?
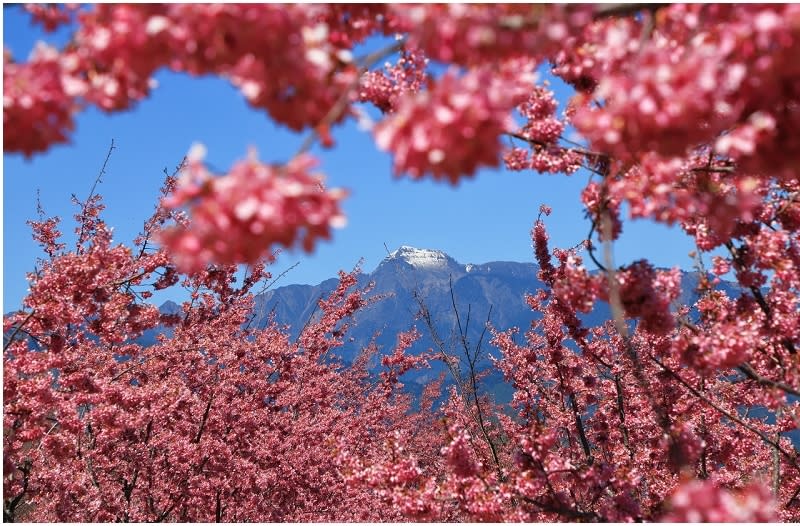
{"x": 484, "y": 219}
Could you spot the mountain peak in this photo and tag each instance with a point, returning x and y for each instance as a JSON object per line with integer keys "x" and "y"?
{"x": 421, "y": 257}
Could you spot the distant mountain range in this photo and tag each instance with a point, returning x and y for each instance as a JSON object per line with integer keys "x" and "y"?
{"x": 409, "y": 278}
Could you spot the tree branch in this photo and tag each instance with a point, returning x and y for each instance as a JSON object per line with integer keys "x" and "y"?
{"x": 612, "y": 10}
{"x": 17, "y": 329}
{"x": 203, "y": 421}
{"x": 97, "y": 181}
{"x": 730, "y": 416}
{"x": 749, "y": 372}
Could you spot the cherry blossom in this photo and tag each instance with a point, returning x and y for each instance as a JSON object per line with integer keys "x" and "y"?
{"x": 239, "y": 217}
{"x": 437, "y": 131}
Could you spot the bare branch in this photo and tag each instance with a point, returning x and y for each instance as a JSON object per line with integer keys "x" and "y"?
{"x": 749, "y": 372}
{"x": 97, "y": 181}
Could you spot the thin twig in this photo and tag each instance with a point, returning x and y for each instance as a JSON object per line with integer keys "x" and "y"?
{"x": 279, "y": 276}
{"x": 97, "y": 181}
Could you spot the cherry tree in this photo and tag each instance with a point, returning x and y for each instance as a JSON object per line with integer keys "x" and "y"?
{"x": 688, "y": 115}
{"x": 218, "y": 420}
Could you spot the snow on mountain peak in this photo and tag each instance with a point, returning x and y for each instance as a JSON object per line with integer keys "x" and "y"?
{"x": 421, "y": 257}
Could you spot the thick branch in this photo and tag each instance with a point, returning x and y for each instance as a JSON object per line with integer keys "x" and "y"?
{"x": 10, "y": 509}
{"x": 587, "y": 450}
{"x": 203, "y": 421}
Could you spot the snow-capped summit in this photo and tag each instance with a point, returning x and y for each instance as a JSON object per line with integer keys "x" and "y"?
{"x": 421, "y": 257}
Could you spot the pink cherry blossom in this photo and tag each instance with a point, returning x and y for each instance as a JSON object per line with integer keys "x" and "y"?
{"x": 240, "y": 217}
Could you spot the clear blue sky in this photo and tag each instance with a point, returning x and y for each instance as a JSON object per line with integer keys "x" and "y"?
{"x": 485, "y": 219}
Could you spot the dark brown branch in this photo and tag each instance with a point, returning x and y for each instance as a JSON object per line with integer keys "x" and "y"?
{"x": 759, "y": 297}
{"x": 203, "y": 421}
{"x": 10, "y": 509}
{"x": 794, "y": 497}
{"x": 129, "y": 368}
{"x": 471, "y": 362}
{"x": 483, "y": 332}
{"x": 163, "y": 515}
{"x": 730, "y": 416}
{"x": 128, "y": 487}
{"x": 587, "y": 450}
{"x": 458, "y": 319}
{"x": 750, "y": 373}
{"x": 17, "y": 329}
{"x": 715, "y": 169}
{"x": 569, "y": 513}
{"x": 573, "y": 149}
{"x": 218, "y": 510}
{"x": 590, "y": 248}
{"x": 614, "y": 10}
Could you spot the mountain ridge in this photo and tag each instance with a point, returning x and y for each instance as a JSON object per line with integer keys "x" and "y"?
{"x": 409, "y": 279}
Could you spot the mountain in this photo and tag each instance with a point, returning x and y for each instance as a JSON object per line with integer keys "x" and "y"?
{"x": 409, "y": 278}
{"x": 406, "y": 279}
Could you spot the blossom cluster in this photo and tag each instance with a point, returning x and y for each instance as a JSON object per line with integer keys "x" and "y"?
{"x": 467, "y": 34}
{"x": 453, "y": 128}
{"x": 689, "y": 83}
{"x": 706, "y": 501}
{"x": 542, "y": 130}
{"x": 676, "y": 407}
{"x": 383, "y": 90}
{"x": 38, "y": 105}
{"x": 101, "y": 428}
{"x": 241, "y": 216}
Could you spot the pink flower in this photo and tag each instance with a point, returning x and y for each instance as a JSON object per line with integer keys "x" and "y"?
{"x": 38, "y": 106}
{"x": 452, "y": 129}
{"x": 706, "y": 501}
{"x": 240, "y": 217}
{"x": 458, "y": 456}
